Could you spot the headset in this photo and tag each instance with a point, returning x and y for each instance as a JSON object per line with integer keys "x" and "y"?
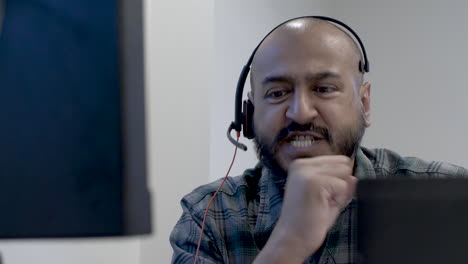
{"x": 243, "y": 112}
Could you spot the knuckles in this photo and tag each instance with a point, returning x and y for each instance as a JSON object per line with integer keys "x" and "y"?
{"x": 321, "y": 161}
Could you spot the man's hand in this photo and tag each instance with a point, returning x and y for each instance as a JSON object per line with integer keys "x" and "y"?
{"x": 317, "y": 189}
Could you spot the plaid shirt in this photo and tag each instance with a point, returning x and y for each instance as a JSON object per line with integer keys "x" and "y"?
{"x": 246, "y": 209}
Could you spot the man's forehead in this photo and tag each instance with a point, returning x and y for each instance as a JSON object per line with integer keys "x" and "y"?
{"x": 304, "y": 36}
{"x": 306, "y": 31}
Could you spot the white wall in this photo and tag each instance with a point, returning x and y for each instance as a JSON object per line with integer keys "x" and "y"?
{"x": 71, "y": 251}
{"x": 418, "y": 54}
{"x": 179, "y": 61}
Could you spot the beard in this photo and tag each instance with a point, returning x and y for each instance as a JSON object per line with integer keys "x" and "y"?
{"x": 345, "y": 141}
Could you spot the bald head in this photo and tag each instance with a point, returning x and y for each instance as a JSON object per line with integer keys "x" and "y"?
{"x": 311, "y": 37}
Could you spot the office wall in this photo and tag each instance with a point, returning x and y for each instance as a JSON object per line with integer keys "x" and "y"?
{"x": 71, "y": 251}
{"x": 417, "y": 52}
{"x": 179, "y": 45}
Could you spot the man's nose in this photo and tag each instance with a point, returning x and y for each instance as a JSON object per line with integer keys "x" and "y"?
{"x": 301, "y": 109}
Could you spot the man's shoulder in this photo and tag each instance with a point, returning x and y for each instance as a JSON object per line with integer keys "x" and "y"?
{"x": 234, "y": 190}
{"x": 390, "y": 162}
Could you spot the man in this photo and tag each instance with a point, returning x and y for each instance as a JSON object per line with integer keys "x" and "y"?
{"x": 312, "y": 106}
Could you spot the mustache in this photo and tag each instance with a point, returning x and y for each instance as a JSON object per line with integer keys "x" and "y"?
{"x": 296, "y": 127}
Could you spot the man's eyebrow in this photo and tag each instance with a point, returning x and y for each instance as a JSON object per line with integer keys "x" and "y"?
{"x": 310, "y": 77}
{"x": 277, "y": 78}
{"x": 322, "y": 75}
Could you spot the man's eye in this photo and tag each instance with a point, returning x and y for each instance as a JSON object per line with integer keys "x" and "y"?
{"x": 277, "y": 94}
{"x": 324, "y": 89}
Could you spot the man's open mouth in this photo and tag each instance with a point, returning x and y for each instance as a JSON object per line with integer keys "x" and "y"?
{"x": 303, "y": 139}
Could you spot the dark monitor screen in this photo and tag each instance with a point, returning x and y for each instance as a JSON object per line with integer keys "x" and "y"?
{"x": 419, "y": 220}
{"x": 72, "y": 137}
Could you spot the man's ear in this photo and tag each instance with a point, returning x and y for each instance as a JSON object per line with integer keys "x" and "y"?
{"x": 364, "y": 95}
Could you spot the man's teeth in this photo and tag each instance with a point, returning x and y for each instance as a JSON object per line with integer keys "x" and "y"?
{"x": 302, "y": 141}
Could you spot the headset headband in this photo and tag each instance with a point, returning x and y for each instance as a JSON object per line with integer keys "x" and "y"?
{"x": 240, "y": 117}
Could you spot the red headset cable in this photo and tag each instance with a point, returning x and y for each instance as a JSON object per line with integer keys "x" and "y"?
{"x": 211, "y": 201}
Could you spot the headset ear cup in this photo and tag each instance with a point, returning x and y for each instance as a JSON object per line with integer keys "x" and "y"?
{"x": 248, "y": 110}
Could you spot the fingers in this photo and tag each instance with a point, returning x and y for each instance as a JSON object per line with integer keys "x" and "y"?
{"x": 352, "y": 182}
{"x": 334, "y": 173}
{"x": 342, "y": 191}
{"x": 335, "y": 166}
{"x": 337, "y": 159}
{"x": 323, "y": 161}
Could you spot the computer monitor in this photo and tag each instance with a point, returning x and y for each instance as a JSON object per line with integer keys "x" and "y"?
{"x": 412, "y": 220}
{"x": 72, "y": 137}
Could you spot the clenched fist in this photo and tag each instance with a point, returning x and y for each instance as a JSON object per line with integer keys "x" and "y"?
{"x": 317, "y": 189}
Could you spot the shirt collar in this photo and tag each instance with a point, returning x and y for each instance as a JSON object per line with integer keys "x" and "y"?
{"x": 363, "y": 166}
